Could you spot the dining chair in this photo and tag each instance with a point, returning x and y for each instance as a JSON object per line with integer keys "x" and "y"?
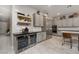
{"x": 67, "y": 36}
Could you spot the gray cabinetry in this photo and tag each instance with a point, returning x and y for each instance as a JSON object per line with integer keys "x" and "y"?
{"x": 69, "y": 22}
{"x": 41, "y": 36}
{"x": 75, "y": 21}
{"x": 64, "y": 22}
{"x": 38, "y": 20}
{"x": 41, "y": 20}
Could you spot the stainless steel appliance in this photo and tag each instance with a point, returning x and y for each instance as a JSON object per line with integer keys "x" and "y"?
{"x": 22, "y": 42}
{"x": 54, "y": 28}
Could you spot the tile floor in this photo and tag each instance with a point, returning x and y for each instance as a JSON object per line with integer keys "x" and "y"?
{"x": 52, "y": 46}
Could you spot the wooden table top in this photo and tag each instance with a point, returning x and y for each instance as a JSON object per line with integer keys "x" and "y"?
{"x": 73, "y": 32}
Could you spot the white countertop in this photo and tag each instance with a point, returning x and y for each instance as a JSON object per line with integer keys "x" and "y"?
{"x": 73, "y": 32}
{"x": 69, "y": 29}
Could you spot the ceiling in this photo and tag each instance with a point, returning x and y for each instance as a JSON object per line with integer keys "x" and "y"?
{"x": 54, "y": 10}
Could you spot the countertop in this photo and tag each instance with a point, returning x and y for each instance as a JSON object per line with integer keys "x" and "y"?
{"x": 20, "y": 33}
{"x": 69, "y": 29}
{"x": 73, "y": 32}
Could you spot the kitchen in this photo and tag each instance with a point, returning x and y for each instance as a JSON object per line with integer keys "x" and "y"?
{"x": 38, "y": 28}
{"x": 33, "y": 26}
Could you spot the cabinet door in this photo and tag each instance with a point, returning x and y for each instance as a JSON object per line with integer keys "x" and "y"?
{"x": 38, "y": 37}
{"x": 65, "y": 21}
{"x": 43, "y": 35}
{"x": 69, "y": 22}
{"x": 41, "y": 20}
{"x": 36, "y": 20}
{"x": 75, "y": 21}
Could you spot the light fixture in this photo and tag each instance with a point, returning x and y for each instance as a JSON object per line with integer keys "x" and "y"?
{"x": 68, "y": 6}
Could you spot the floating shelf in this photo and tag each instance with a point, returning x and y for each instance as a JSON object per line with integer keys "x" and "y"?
{"x": 24, "y": 23}
{"x": 24, "y": 17}
{"x": 23, "y": 20}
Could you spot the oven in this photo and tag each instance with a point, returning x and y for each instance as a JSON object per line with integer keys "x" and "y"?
{"x": 54, "y": 28}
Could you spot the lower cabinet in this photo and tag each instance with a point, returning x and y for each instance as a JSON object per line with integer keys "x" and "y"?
{"x": 21, "y": 42}
{"x": 41, "y": 36}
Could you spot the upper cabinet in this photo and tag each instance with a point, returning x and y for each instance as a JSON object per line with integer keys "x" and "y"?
{"x": 59, "y": 23}
{"x": 68, "y": 20}
{"x": 76, "y": 21}
{"x": 41, "y": 20}
{"x": 38, "y": 20}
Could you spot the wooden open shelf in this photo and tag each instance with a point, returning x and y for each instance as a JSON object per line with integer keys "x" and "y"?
{"x": 24, "y": 23}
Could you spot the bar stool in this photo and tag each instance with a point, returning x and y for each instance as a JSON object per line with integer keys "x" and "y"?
{"x": 67, "y": 36}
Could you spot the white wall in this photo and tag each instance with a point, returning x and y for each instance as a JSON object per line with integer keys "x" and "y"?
{"x": 26, "y": 10}
{"x": 5, "y": 11}
{"x": 5, "y": 41}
